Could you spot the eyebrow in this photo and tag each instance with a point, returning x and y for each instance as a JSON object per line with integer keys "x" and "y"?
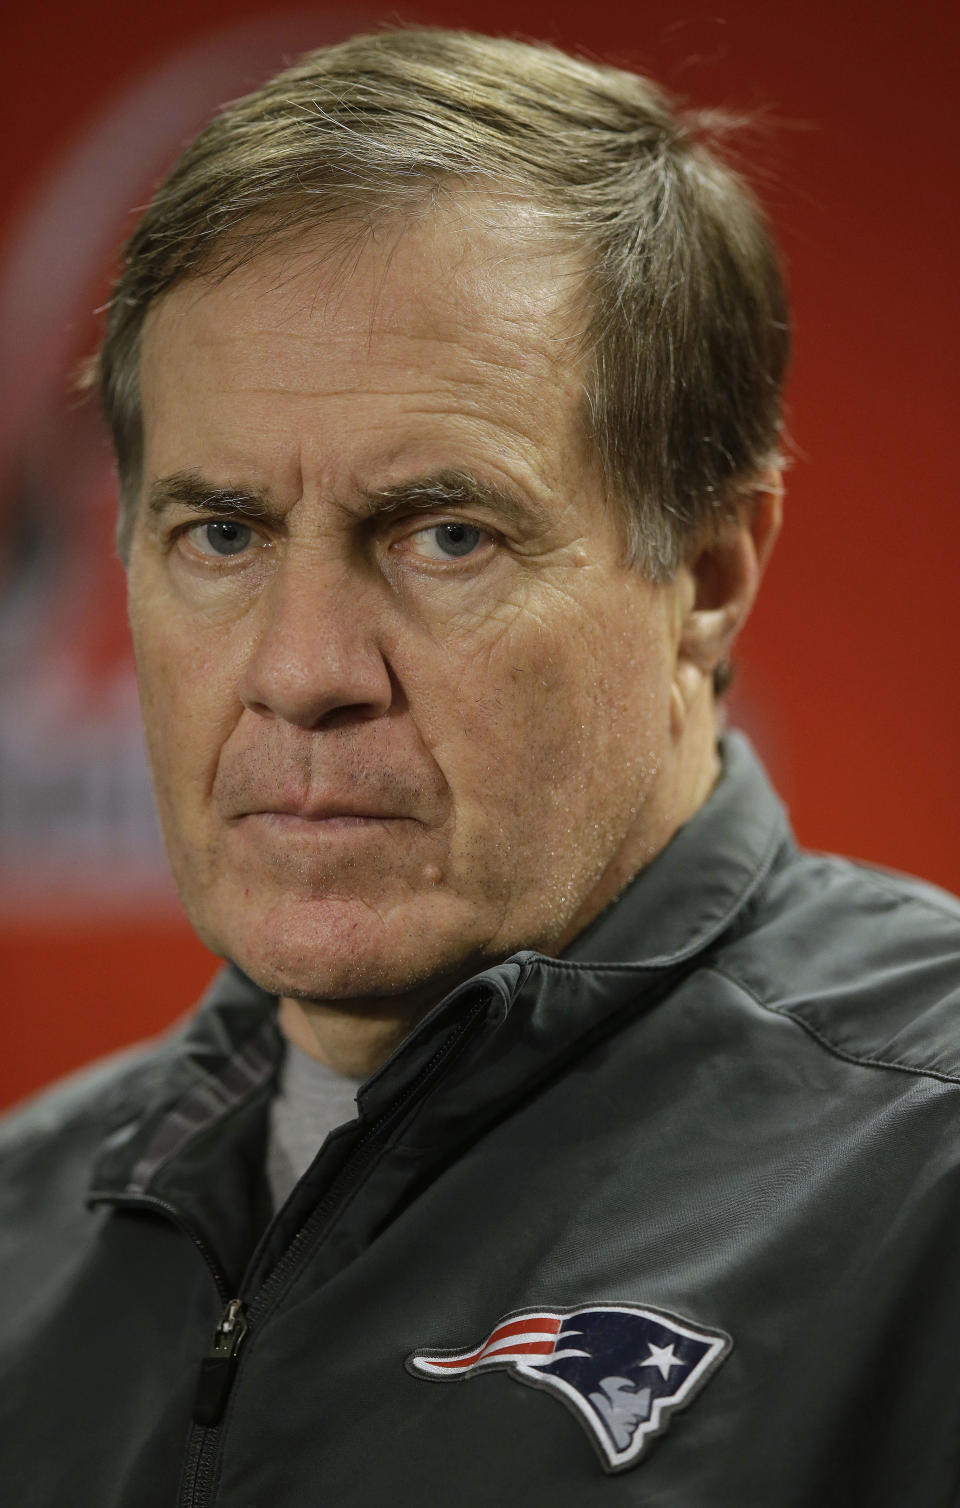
{"x": 446, "y": 488}
{"x": 191, "y": 490}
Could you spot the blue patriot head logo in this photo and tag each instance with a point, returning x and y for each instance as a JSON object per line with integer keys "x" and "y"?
{"x": 621, "y": 1369}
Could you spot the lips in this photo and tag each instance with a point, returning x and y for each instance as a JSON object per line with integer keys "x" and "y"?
{"x": 318, "y": 809}
{"x": 363, "y": 787}
{"x": 328, "y": 811}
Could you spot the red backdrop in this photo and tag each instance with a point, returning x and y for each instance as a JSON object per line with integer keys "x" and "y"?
{"x": 848, "y": 671}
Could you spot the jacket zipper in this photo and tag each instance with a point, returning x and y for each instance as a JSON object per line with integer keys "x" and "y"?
{"x": 219, "y": 1366}
{"x": 219, "y": 1361}
{"x": 362, "y": 1155}
{"x": 213, "y": 1389}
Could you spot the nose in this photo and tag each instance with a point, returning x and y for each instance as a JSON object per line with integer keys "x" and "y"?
{"x": 315, "y": 657}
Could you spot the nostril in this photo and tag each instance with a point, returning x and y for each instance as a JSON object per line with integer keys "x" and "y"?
{"x": 333, "y": 685}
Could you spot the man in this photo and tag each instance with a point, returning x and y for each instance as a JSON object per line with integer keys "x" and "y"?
{"x": 444, "y": 377}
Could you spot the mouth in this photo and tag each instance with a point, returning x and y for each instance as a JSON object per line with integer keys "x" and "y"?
{"x": 322, "y": 818}
{"x": 285, "y": 821}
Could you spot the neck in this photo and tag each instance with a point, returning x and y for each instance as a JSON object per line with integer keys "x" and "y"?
{"x": 353, "y": 1037}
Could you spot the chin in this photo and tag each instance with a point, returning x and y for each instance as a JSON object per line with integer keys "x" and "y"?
{"x": 343, "y": 949}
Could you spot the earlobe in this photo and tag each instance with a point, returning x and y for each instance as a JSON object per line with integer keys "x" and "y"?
{"x": 724, "y": 574}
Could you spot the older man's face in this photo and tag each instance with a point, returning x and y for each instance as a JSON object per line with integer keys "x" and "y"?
{"x": 406, "y": 708}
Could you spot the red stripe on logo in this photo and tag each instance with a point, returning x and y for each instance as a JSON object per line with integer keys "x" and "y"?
{"x": 547, "y": 1324}
{"x": 526, "y": 1348}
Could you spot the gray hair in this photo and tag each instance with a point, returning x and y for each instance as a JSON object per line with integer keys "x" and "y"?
{"x": 684, "y": 311}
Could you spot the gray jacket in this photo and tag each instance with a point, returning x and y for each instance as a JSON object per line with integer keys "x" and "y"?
{"x": 673, "y": 1220}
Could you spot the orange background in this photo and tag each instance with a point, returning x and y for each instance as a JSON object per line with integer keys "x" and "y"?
{"x": 848, "y": 672}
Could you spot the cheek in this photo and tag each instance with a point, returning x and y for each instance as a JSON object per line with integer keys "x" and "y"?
{"x": 554, "y": 708}
{"x": 188, "y": 706}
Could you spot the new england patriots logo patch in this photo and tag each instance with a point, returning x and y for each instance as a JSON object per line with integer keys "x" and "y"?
{"x": 621, "y": 1369}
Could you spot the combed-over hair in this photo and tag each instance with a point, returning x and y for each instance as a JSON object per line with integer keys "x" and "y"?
{"x": 685, "y": 322}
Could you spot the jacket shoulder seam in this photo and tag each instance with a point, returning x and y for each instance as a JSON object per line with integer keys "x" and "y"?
{"x": 861, "y": 1060}
{"x": 904, "y": 888}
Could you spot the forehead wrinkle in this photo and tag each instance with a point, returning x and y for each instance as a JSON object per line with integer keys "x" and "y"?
{"x": 480, "y": 371}
{"x": 480, "y": 346}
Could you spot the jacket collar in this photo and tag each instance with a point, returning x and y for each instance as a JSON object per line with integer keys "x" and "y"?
{"x": 529, "y": 1024}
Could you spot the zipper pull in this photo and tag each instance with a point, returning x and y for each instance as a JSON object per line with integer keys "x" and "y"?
{"x": 219, "y": 1365}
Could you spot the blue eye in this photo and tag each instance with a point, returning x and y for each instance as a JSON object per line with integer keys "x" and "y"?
{"x": 222, "y": 537}
{"x": 455, "y": 539}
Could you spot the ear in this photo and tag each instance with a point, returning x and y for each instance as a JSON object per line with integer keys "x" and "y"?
{"x": 723, "y": 574}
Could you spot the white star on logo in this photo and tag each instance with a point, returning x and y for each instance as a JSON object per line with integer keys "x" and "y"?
{"x": 661, "y": 1357}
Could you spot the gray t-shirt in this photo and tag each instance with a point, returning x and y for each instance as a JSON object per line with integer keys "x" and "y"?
{"x": 311, "y": 1100}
